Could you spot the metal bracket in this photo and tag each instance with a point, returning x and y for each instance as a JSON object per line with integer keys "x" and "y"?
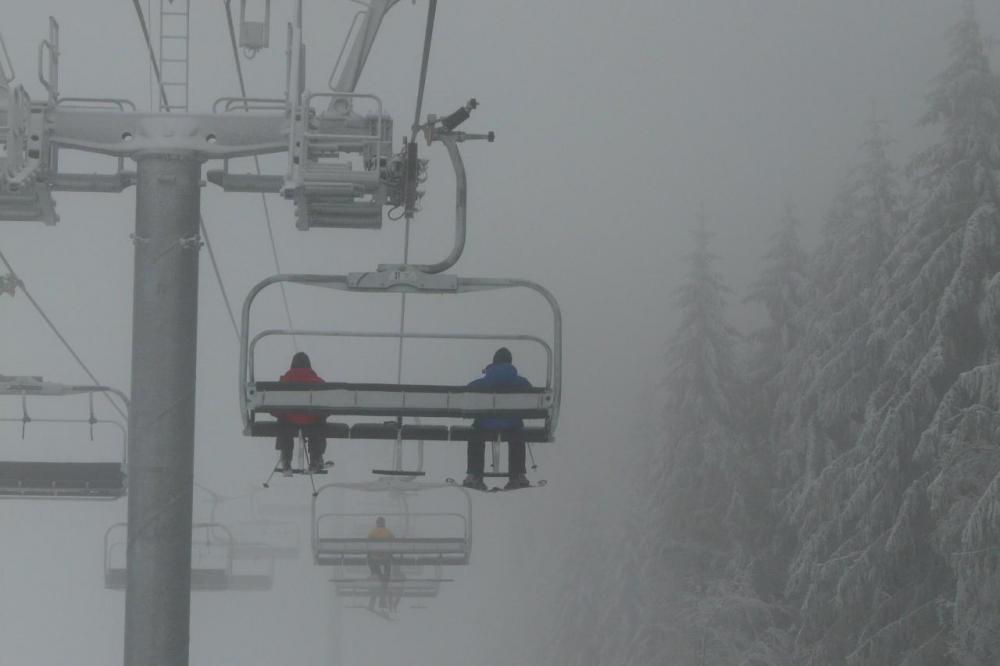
{"x": 191, "y": 242}
{"x": 9, "y": 284}
{"x": 392, "y": 276}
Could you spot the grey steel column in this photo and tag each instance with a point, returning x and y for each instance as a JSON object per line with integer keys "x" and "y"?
{"x": 335, "y": 626}
{"x": 161, "y": 432}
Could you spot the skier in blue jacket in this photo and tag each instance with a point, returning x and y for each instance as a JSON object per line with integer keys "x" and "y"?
{"x": 501, "y": 373}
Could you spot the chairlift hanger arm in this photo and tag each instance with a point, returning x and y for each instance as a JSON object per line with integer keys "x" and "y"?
{"x": 364, "y": 39}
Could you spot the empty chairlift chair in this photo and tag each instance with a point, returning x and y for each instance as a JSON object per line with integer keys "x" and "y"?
{"x": 214, "y": 566}
{"x": 266, "y": 539}
{"x": 63, "y": 479}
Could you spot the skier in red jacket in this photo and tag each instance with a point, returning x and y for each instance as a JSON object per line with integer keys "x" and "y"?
{"x": 301, "y": 372}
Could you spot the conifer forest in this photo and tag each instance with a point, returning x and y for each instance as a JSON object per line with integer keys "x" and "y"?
{"x": 825, "y": 488}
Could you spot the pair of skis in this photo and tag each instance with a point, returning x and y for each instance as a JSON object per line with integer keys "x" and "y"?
{"x": 498, "y": 489}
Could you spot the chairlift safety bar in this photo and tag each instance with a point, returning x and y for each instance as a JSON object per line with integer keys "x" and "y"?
{"x": 227, "y": 546}
{"x": 117, "y": 424}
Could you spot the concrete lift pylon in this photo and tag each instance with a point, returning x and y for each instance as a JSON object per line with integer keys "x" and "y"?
{"x": 169, "y": 149}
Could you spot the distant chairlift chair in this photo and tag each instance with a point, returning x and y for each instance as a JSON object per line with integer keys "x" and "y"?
{"x": 61, "y": 480}
{"x": 449, "y": 547}
{"x": 214, "y": 565}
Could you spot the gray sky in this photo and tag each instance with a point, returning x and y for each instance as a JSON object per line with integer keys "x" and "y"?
{"x": 614, "y": 121}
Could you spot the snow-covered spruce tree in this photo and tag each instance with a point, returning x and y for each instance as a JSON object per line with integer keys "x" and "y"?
{"x": 698, "y": 605}
{"x": 875, "y": 571}
{"x": 826, "y": 378}
{"x": 782, "y": 288}
{"x": 861, "y": 227}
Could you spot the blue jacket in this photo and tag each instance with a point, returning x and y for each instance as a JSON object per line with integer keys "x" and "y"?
{"x": 499, "y": 375}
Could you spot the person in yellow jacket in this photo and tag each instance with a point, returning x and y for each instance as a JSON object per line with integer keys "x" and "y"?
{"x": 381, "y": 563}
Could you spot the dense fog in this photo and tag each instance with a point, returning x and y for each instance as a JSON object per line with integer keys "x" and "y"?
{"x": 772, "y": 230}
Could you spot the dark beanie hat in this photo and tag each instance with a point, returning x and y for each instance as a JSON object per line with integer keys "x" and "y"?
{"x": 301, "y": 360}
{"x": 502, "y": 355}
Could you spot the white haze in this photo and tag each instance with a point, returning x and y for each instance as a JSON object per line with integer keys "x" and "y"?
{"x": 614, "y": 122}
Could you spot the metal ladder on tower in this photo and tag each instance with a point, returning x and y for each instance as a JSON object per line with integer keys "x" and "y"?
{"x": 175, "y": 52}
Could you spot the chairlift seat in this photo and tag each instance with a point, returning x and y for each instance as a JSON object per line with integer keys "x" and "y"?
{"x": 404, "y": 552}
{"x": 60, "y": 479}
{"x": 409, "y": 588}
{"x": 260, "y": 551}
{"x": 391, "y": 431}
{"x": 250, "y": 582}
{"x": 215, "y": 579}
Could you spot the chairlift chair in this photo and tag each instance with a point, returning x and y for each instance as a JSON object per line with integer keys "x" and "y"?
{"x": 266, "y": 539}
{"x": 214, "y": 566}
{"x": 429, "y": 538}
{"x": 61, "y": 480}
{"x": 398, "y": 401}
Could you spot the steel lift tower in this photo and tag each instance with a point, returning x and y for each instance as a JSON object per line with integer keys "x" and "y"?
{"x": 169, "y": 149}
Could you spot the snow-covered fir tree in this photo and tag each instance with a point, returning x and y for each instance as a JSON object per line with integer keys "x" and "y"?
{"x": 783, "y": 288}
{"x": 875, "y": 569}
{"x": 698, "y": 509}
{"x": 861, "y": 227}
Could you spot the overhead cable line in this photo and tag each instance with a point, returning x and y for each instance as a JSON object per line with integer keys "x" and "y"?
{"x": 256, "y": 162}
{"x": 54, "y": 329}
{"x": 218, "y": 276}
{"x": 152, "y": 54}
{"x": 424, "y": 62}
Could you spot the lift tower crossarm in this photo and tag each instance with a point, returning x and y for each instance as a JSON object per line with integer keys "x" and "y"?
{"x": 203, "y": 136}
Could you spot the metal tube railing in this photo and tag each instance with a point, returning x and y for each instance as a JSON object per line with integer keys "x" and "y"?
{"x": 410, "y": 336}
{"x": 461, "y": 211}
{"x": 121, "y": 427}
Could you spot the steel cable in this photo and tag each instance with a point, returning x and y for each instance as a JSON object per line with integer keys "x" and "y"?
{"x": 58, "y": 334}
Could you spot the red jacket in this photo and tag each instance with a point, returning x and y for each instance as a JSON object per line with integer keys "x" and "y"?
{"x": 300, "y": 376}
